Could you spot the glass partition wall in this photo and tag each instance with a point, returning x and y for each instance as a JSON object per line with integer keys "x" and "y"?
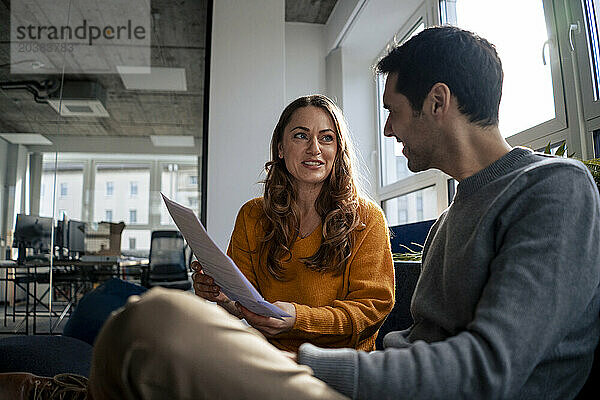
{"x": 101, "y": 111}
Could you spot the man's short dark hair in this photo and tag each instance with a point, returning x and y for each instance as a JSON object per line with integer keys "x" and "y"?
{"x": 465, "y": 62}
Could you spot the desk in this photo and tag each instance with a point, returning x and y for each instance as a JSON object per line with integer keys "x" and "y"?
{"x": 70, "y": 279}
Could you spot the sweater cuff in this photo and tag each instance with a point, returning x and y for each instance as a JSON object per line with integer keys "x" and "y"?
{"x": 303, "y": 322}
{"x": 336, "y": 367}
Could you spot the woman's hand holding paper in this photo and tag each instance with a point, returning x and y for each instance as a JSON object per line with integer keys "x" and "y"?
{"x": 205, "y": 287}
{"x": 269, "y": 326}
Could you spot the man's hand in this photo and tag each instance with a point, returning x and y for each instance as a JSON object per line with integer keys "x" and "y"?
{"x": 270, "y": 326}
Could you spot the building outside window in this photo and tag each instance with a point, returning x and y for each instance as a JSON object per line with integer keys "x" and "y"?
{"x": 69, "y": 173}
{"x": 110, "y": 187}
{"x": 419, "y": 200}
{"x": 179, "y": 182}
{"x": 131, "y": 243}
{"x": 110, "y": 179}
{"x": 64, "y": 189}
{"x": 411, "y": 207}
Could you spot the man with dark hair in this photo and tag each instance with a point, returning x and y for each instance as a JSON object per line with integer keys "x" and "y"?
{"x": 508, "y": 301}
{"x": 507, "y": 304}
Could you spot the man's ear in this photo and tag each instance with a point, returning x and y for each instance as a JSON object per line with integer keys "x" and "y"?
{"x": 438, "y": 99}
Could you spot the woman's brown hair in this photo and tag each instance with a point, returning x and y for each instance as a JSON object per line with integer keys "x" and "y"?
{"x": 337, "y": 203}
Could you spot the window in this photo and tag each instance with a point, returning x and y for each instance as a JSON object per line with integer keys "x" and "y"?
{"x": 527, "y": 60}
{"x": 110, "y": 179}
{"x": 132, "y": 216}
{"x": 419, "y": 200}
{"x": 70, "y": 174}
{"x": 592, "y": 19}
{"x": 130, "y": 183}
{"x": 141, "y": 241}
{"x": 585, "y": 36}
{"x": 133, "y": 189}
{"x": 416, "y": 206}
{"x": 405, "y": 196}
{"x": 394, "y": 165}
{"x": 178, "y": 181}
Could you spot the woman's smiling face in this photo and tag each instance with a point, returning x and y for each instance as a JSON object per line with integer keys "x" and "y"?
{"x": 309, "y": 146}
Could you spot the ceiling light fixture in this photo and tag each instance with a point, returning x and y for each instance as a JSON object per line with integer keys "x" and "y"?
{"x": 172, "y": 141}
{"x": 153, "y": 78}
{"x": 26, "y": 138}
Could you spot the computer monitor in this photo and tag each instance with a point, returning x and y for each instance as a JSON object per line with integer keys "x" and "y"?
{"x": 33, "y": 232}
{"x": 61, "y": 231}
{"x": 76, "y": 236}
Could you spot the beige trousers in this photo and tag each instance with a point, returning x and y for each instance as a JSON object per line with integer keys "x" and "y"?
{"x": 168, "y": 344}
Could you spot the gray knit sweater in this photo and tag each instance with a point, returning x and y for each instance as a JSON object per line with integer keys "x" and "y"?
{"x": 507, "y": 305}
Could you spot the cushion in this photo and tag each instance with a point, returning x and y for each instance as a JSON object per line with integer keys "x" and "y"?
{"x": 407, "y": 274}
{"x": 45, "y": 355}
{"x": 95, "y": 307}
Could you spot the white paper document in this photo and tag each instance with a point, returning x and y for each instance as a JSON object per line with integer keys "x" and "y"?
{"x": 218, "y": 264}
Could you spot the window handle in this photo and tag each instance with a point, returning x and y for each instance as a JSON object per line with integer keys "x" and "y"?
{"x": 546, "y": 44}
{"x": 573, "y": 28}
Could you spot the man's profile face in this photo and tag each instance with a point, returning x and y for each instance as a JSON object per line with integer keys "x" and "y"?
{"x": 407, "y": 126}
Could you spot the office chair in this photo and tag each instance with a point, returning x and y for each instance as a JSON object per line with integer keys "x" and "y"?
{"x": 167, "y": 261}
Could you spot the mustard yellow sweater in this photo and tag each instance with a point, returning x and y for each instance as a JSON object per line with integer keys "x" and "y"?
{"x": 331, "y": 311}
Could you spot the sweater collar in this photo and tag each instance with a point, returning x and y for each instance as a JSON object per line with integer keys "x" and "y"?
{"x": 493, "y": 171}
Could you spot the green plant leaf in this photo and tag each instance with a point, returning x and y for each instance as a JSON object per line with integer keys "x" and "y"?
{"x": 561, "y": 149}
{"x": 548, "y": 147}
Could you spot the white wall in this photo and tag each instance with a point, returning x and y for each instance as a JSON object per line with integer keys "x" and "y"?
{"x": 304, "y": 60}
{"x": 359, "y": 99}
{"x": 247, "y": 93}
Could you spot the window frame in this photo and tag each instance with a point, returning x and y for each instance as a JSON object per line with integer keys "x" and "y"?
{"x": 89, "y": 162}
{"x": 565, "y": 126}
{"x": 559, "y": 122}
{"x": 581, "y": 48}
{"x": 589, "y": 112}
{"x": 428, "y": 16}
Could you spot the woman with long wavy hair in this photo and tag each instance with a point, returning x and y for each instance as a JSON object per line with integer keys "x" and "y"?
{"x": 312, "y": 244}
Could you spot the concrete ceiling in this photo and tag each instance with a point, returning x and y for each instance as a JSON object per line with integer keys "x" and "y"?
{"x": 132, "y": 112}
{"x": 135, "y": 113}
{"x": 311, "y": 11}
